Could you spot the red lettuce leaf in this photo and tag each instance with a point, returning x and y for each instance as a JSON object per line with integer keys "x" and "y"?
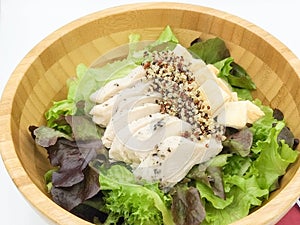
{"x": 210, "y": 173}
{"x": 187, "y": 208}
{"x": 72, "y": 158}
{"x": 239, "y": 142}
{"x": 83, "y": 128}
{"x": 46, "y": 136}
{"x": 73, "y": 181}
{"x": 70, "y": 197}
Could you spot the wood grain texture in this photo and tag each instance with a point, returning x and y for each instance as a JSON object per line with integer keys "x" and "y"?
{"x": 41, "y": 78}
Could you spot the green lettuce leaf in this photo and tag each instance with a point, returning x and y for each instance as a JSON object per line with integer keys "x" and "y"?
{"x": 208, "y": 194}
{"x": 243, "y": 94}
{"x": 48, "y": 178}
{"x": 134, "y": 54}
{"x": 242, "y": 193}
{"x": 210, "y": 51}
{"x": 73, "y": 82}
{"x": 55, "y": 115}
{"x": 166, "y": 35}
{"x": 238, "y": 77}
{"x": 274, "y": 158}
{"x": 59, "y": 109}
{"x": 234, "y": 74}
{"x": 247, "y": 184}
{"x": 248, "y": 180}
{"x": 95, "y": 78}
{"x": 261, "y": 128}
{"x": 245, "y": 194}
{"x": 237, "y": 165}
{"x": 136, "y": 203}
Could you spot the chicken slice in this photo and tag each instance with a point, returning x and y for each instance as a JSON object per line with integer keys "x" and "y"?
{"x": 215, "y": 96}
{"x": 145, "y": 139}
{"x": 206, "y": 73}
{"x": 120, "y": 120}
{"x": 179, "y": 50}
{"x": 238, "y": 114}
{"x": 115, "y": 86}
{"x": 127, "y": 102}
{"x": 138, "y": 145}
{"x": 103, "y": 112}
{"x": 174, "y": 157}
{"x": 197, "y": 66}
{"x": 126, "y": 132}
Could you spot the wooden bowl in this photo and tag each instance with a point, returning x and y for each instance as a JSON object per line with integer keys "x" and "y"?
{"x": 41, "y": 78}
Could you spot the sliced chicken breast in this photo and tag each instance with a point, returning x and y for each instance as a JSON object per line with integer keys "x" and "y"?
{"x": 120, "y": 120}
{"x": 126, "y": 132}
{"x": 206, "y": 73}
{"x": 114, "y": 86}
{"x": 174, "y": 157}
{"x": 215, "y": 96}
{"x": 238, "y": 114}
{"x": 103, "y": 112}
{"x": 138, "y": 145}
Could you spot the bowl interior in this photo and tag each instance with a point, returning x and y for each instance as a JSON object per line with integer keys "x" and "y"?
{"x": 42, "y": 76}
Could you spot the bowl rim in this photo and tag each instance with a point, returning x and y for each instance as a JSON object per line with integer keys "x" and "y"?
{"x": 14, "y": 166}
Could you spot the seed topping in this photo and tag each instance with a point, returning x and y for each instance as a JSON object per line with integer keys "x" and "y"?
{"x": 181, "y": 96}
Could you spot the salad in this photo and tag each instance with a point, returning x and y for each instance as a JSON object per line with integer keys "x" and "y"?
{"x": 166, "y": 135}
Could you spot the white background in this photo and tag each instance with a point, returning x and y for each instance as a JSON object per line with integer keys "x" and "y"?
{"x": 24, "y": 23}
